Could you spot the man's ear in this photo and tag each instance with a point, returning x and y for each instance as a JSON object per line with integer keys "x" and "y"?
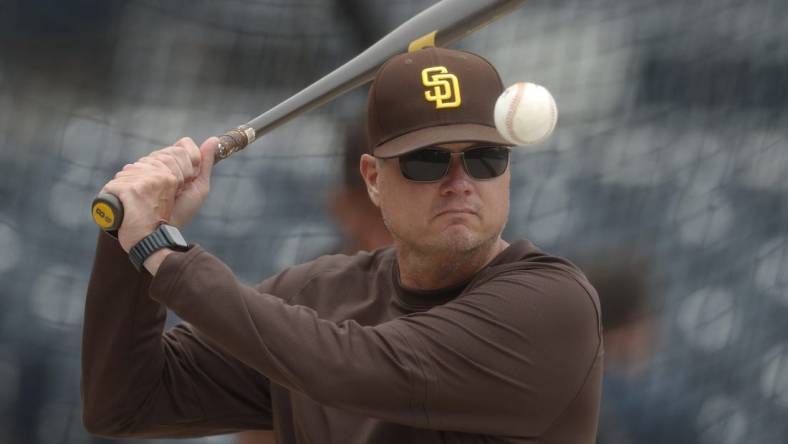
{"x": 368, "y": 166}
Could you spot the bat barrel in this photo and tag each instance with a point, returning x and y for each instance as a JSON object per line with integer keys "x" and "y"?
{"x": 449, "y": 20}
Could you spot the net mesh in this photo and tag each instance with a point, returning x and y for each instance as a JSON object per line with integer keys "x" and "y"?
{"x": 671, "y": 144}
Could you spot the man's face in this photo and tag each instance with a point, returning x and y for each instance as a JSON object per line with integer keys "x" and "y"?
{"x": 452, "y": 215}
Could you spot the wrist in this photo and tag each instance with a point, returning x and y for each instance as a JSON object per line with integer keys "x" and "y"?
{"x": 128, "y": 238}
{"x": 164, "y": 237}
{"x": 154, "y": 261}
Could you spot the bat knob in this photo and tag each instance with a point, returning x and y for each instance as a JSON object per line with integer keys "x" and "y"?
{"x": 107, "y": 212}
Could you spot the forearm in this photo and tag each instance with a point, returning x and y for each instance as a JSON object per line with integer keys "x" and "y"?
{"x": 137, "y": 382}
{"x": 121, "y": 343}
{"x": 362, "y": 369}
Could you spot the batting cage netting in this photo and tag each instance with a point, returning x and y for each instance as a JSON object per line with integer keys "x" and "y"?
{"x": 670, "y": 153}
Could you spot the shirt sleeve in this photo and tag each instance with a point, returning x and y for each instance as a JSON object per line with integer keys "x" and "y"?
{"x": 508, "y": 357}
{"x": 140, "y": 382}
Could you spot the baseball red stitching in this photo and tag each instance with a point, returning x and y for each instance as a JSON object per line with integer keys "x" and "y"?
{"x": 511, "y": 111}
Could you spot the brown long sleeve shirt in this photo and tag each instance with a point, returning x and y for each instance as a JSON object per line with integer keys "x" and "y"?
{"x": 336, "y": 351}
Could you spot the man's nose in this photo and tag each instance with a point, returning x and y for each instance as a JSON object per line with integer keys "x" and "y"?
{"x": 456, "y": 180}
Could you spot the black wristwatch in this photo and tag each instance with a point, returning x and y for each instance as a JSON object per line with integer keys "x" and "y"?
{"x": 165, "y": 236}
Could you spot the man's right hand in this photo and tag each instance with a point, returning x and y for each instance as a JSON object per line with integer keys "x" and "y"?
{"x": 168, "y": 185}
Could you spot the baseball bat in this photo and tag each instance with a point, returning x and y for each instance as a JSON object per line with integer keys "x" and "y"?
{"x": 439, "y": 25}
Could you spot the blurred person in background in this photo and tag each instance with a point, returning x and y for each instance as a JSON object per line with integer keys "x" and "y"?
{"x": 633, "y": 409}
{"x": 358, "y": 219}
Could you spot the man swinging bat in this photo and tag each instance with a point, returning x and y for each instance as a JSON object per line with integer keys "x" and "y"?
{"x": 451, "y": 335}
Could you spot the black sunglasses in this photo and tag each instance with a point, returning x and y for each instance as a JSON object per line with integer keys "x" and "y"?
{"x": 432, "y": 164}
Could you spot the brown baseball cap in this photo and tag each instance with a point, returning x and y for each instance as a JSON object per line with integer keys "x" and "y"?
{"x": 432, "y": 96}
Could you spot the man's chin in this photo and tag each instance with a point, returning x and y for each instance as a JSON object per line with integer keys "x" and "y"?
{"x": 458, "y": 239}
{"x": 450, "y": 239}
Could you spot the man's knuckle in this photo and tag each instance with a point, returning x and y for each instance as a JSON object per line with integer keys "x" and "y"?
{"x": 167, "y": 160}
{"x": 184, "y": 152}
{"x": 171, "y": 179}
{"x": 137, "y": 188}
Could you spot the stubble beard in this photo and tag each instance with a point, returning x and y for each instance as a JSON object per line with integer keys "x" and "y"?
{"x": 451, "y": 249}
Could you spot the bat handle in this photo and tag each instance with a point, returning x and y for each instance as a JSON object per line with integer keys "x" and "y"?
{"x": 107, "y": 211}
{"x": 234, "y": 140}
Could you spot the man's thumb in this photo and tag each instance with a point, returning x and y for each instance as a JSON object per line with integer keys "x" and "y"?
{"x": 207, "y": 152}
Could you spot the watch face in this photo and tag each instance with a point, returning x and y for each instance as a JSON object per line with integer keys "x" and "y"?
{"x": 174, "y": 235}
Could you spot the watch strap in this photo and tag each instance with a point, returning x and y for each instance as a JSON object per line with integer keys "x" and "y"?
{"x": 158, "y": 239}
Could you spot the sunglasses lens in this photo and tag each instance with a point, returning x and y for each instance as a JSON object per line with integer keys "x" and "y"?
{"x": 487, "y": 162}
{"x": 425, "y": 165}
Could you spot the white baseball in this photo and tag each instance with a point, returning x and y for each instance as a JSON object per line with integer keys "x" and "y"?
{"x": 525, "y": 113}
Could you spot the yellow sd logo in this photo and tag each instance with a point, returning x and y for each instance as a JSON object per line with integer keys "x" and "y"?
{"x": 445, "y": 90}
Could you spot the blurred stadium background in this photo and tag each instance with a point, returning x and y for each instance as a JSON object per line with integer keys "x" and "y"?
{"x": 671, "y": 145}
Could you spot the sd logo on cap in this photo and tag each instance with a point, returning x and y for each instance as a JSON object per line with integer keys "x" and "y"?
{"x": 432, "y": 96}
